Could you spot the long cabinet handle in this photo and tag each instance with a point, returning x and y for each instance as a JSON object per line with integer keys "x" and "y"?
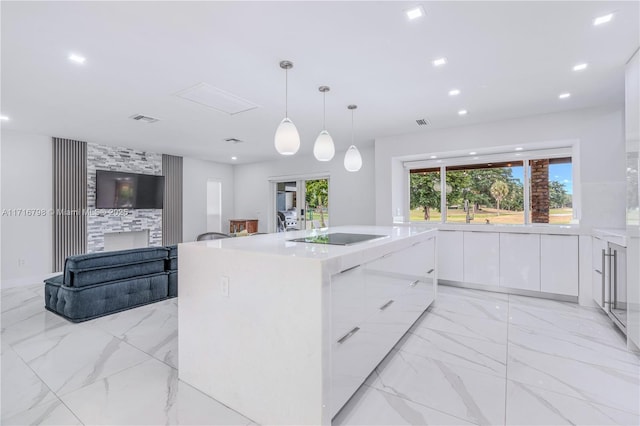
{"x": 349, "y": 269}
{"x": 603, "y": 265}
{"x": 347, "y": 336}
{"x": 612, "y": 300}
{"x": 430, "y": 270}
{"x": 598, "y": 271}
{"x": 386, "y": 305}
{"x": 413, "y": 284}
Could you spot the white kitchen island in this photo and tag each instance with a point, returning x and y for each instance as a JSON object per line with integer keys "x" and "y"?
{"x": 285, "y": 332}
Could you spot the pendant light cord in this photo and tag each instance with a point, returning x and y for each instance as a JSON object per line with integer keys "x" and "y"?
{"x": 352, "y": 136}
{"x": 324, "y": 110}
{"x": 286, "y": 92}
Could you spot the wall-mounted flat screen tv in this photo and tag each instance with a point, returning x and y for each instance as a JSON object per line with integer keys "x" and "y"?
{"x": 119, "y": 190}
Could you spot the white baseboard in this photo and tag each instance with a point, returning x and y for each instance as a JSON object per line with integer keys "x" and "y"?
{"x": 26, "y": 281}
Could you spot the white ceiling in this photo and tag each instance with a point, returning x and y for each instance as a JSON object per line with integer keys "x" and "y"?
{"x": 509, "y": 59}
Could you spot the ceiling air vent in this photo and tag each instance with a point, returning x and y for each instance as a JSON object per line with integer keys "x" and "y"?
{"x": 233, "y": 140}
{"x": 144, "y": 118}
{"x": 423, "y": 122}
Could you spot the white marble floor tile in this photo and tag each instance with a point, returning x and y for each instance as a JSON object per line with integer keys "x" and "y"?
{"x": 476, "y": 354}
{"x": 148, "y": 394}
{"x": 72, "y": 356}
{"x": 607, "y": 386}
{"x": 575, "y": 346}
{"x": 151, "y": 328}
{"x": 371, "y": 406}
{"x": 446, "y": 290}
{"x": 15, "y": 297}
{"x": 591, "y": 325}
{"x": 22, "y": 389}
{"x": 20, "y": 306}
{"x": 49, "y": 413}
{"x": 464, "y": 325}
{"x": 492, "y": 309}
{"x": 457, "y": 391}
{"x": 527, "y": 405}
{"x": 36, "y": 325}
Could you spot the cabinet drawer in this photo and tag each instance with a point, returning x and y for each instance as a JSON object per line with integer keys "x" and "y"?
{"x": 347, "y": 300}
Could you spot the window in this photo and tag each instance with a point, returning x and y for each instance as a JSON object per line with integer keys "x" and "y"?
{"x": 486, "y": 193}
{"x": 496, "y": 192}
{"x": 425, "y": 195}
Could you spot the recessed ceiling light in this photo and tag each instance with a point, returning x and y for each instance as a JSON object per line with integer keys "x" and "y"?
{"x": 564, "y": 95}
{"x": 439, "y": 62}
{"x": 77, "y": 58}
{"x": 580, "y": 67}
{"x": 434, "y": 156}
{"x": 473, "y": 153}
{"x": 454, "y": 92}
{"x": 603, "y": 19}
{"x": 4, "y": 118}
{"x": 462, "y": 112}
{"x": 519, "y": 148}
{"x": 415, "y": 12}
{"x": 234, "y": 158}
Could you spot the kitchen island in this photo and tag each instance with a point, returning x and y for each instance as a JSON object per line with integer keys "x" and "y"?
{"x": 285, "y": 332}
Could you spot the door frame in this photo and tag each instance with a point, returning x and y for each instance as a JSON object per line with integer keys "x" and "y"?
{"x": 300, "y": 193}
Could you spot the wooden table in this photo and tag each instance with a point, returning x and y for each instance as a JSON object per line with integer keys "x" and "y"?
{"x": 239, "y": 225}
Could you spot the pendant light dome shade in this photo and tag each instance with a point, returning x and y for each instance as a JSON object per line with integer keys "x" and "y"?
{"x": 352, "y": 159}
{"x": 287, "y": 139}
{"x": 323, "y": 149}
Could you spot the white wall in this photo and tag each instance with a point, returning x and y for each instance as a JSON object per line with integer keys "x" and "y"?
{"x": 196, "y": 173}
{"x": 351, "y": 195}
{"x": 27, "y": 248}
{"x": 599, "y": 132}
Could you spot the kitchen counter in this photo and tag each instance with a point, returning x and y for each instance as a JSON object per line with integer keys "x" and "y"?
{"x": 285, "y": 332}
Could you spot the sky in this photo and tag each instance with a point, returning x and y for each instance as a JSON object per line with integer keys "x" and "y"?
{"x": 559, "y": 172}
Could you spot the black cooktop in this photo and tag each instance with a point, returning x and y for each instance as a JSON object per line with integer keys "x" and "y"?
{"x": 338, "y": 238}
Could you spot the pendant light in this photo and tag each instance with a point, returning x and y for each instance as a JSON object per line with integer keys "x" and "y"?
{"x": 323, "y": 149}
{"x": 352, "y": 158}
{"x": 287, "y": 139}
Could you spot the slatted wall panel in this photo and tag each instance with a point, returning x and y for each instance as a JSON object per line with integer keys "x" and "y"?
{"x": 69, "y": 200}
{"x": 172, "y": 211}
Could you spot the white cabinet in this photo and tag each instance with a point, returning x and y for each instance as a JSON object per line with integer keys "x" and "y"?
{"x": 481, "y": 258}
{"x": 520, "y": 261}
{"x": 373, "y": 306}
{"x": 450, "y": 262}
{"x": 559, "y": 267}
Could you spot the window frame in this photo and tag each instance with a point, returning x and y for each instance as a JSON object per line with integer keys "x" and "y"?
{"x": 522, "y": 156}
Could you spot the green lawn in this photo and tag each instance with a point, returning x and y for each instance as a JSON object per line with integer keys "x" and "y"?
{"x": 556, "y": 216}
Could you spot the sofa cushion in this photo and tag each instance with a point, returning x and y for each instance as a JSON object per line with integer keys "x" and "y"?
{"x": 89, "y": 261}
{"x": 84, "y": 303}
{"x": 173, "y": 250}
{"x": 173, "y": 283}
{"x": 87, "y": 277}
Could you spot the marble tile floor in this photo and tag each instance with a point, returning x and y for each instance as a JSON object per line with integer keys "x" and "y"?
{"x": 474, "y": 358}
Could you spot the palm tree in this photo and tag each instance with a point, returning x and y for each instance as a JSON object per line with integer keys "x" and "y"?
{"x": 499, "y": 190}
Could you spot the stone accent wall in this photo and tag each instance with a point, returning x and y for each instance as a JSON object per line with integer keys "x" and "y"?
{"x": 99, "y": 222}
{"x": 540, "y": 191}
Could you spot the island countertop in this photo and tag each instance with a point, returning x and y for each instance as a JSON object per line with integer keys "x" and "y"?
{"x": 336, "y": 257}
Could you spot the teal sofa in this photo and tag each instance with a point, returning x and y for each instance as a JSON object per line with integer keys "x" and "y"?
{"x": 98, "y": 284}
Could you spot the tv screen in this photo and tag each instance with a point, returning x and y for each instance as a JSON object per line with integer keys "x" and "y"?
{"x": 119, "y": 190}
